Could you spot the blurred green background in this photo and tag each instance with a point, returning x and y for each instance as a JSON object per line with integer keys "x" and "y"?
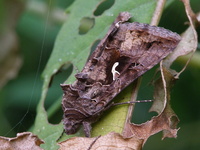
{"x": 27, "y": 33}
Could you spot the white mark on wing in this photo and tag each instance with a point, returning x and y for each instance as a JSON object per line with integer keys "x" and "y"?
{"x": 117, "y": 24}
{"x": 114, "y": 72}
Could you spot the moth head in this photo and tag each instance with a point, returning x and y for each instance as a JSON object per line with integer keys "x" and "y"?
{"x": 71, "y": 126}
{"x": 72, "y": 119}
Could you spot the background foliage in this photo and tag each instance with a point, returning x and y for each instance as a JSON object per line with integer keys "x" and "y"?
{"x": 37, "y": 26}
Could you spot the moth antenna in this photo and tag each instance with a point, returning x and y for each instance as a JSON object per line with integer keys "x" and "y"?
{"x": 142, "y": 101}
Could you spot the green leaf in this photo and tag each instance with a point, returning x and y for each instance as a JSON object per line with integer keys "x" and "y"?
{"x": 72, "y": 48}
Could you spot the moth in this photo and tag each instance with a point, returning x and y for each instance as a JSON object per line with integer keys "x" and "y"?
{"x": 126, "y": 52}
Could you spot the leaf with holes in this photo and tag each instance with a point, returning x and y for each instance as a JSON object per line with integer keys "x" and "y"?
{"x": 126, "y": 52}
{"x": 72, "y": 48}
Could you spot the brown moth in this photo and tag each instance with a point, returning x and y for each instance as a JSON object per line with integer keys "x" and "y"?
{"x": 127, "y": 51}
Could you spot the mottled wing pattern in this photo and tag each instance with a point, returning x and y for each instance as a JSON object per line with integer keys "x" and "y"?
{"x": 127, "y": 51}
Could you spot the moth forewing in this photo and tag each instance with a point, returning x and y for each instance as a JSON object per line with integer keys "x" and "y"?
{"x": 127, "y": 51}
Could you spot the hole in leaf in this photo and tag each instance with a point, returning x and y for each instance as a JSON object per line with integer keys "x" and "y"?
{"x": 86, "y": 24}
{"x": 56, "y": 117}
{"x": 54, "y": 95}
{"x": 141, "y": 112}
{"x": 103, "y": 6}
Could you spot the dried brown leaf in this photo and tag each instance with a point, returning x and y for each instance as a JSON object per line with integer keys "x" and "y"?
{"x": 189, "y": 40}
{"x": 23, "y": 141}
{"x": 108, "y": 142}
{"x": 166, "y": 120}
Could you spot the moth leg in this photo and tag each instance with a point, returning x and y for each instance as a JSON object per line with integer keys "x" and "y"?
{"x": 108, "y": 106}
{"x": 87, "y": 128}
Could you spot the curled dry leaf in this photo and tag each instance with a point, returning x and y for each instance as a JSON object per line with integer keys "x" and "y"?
{"x": 109, "y": 141}
{"x": 166, "y": 120}
{"x": 23, "y": 141}
{"x": 189, "y": 40}
{"x": 187, "y": 45}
